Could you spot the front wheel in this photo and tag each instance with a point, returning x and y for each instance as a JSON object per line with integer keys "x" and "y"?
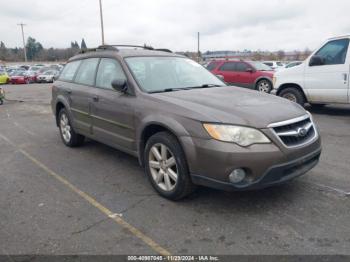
{"x": 68, "y": 135}
{"x": 166, "y": 167}
{"x": 264, "y": 86}
{"x": 294, "y": 95}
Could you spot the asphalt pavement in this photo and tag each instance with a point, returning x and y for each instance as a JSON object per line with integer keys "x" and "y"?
{"x": 97, "y": 200}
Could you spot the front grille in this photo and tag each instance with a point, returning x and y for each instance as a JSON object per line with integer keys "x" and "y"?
{"x": 295, "y": 133}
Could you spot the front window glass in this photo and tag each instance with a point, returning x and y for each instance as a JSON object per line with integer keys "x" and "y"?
{"x": 334, "y": 52}
{"x": 108, "y": 70}
{"x": 156, "y": 74}
{"x": 241, "y": 67}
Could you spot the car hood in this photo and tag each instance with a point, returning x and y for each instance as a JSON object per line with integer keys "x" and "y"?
{"x": 231, "y": 105}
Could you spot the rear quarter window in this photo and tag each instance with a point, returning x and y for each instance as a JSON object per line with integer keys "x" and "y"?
{"x": 212, "y": 66}
{"x": 69, "y": 71}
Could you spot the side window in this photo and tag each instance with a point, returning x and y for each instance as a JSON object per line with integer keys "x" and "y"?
{"x": 334, "y": 52}
{"x": 69, "y": 70}
{"x": 268, "y": 63}
{"x": 212, "y": 66}
{"x": 86, "y": 72}
{"x": 241, "y": 67}
{"x": 108, "y": 70}
{"x": 228, "y": 66}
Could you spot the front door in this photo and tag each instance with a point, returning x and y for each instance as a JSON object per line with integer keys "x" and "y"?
{"x": 328, "y": 82}
{"x": 112, "y": 111}
{"x": 243, "y": 77}
{"x": 228, "y": 71}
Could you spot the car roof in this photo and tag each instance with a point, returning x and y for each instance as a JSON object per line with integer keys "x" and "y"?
{"x": 122, "y": 53}
{"x": 339, "y": 37}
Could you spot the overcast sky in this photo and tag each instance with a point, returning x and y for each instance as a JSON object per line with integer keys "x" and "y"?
{"x": 224, "y": 24}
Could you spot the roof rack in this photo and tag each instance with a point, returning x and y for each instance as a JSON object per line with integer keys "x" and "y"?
{"x": 115, "y": 48}
{"x": 163, "y": 50}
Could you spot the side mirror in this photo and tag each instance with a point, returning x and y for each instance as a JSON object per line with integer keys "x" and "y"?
{"x": 316, "y": 61}
{"x": 221, "y": 77}
{"x": 119, "y": 85}
{"x": 250, "y": 70}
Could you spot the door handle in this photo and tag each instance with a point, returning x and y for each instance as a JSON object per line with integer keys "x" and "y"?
{"x": 345, "y": 77}
{"x": 95, "y": 98}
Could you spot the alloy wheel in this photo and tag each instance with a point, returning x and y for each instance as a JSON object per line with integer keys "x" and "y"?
{"x": 264, "y": 86}
{"x": 163, "y": 167}
{"x": 65, "y": 128}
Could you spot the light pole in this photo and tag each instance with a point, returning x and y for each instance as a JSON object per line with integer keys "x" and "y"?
{"x": 198, "y": 52}
{"x": 24, "y": 42}
{"x": 102, "y": 29}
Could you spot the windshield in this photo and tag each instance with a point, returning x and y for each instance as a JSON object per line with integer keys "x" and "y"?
{"x": 260, "y": 66}
{"x": 157, "y": 74}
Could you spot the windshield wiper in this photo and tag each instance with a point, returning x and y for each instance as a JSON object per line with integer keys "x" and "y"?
{"x": 168, "y": 90}
{"x": 204, "y": 86}
{"x": 184, "y": 88}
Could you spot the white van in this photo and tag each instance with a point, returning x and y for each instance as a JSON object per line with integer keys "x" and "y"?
{"x": 321, "y": 79}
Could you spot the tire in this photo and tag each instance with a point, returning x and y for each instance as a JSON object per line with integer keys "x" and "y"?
{"x": 294, "y": 95}
{"x": 157, "y": 168}
{"x": 263, "y": 86}
{"x": 69, "y": 137}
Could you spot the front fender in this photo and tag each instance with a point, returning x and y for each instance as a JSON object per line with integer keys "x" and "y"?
{"x": 171, "y": 124}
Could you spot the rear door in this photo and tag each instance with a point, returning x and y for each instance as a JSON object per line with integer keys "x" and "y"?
{"x": 329, "y": 82}
{"x": 228, "y": 71}
{"x": 75, "y": 95}
{"x": 112, "y": 111}
{"x": 81, "y": 94}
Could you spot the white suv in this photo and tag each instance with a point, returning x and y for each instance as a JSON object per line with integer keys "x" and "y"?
{"x": 321, "y": 79}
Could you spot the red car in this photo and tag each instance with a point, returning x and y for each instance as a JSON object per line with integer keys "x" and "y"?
{"x": 250, "y": 74}
{"x": 20, "y": 77}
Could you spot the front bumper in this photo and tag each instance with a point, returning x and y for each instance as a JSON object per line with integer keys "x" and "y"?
{"x": 211, "y": 162}
{"x": 275, "y": 175}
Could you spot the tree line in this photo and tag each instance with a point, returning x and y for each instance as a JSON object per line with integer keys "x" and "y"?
{"x": 36, "y": 51}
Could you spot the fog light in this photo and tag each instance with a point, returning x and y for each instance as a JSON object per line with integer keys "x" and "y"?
{"x": 237, "y": 175}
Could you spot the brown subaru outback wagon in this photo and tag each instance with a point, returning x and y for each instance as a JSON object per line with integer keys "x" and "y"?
{"x": 184, "y": 124}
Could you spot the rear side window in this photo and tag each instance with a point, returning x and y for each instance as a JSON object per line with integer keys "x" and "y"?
{"x": 108, "y": 70}
{"x": 334, "y": 52}
{"x": 228, "y": 66}
{"x": 212, "y": 66}
{"x": 86, "y": 72}
{"x": 69, "y": 70}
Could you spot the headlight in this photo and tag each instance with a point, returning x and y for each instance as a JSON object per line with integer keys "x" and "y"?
{"x": 243, "y": 136}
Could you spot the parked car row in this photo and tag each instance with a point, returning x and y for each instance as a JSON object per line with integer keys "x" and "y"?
{"x": 323, "y": 78}
{"x": 30, "y": 74}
